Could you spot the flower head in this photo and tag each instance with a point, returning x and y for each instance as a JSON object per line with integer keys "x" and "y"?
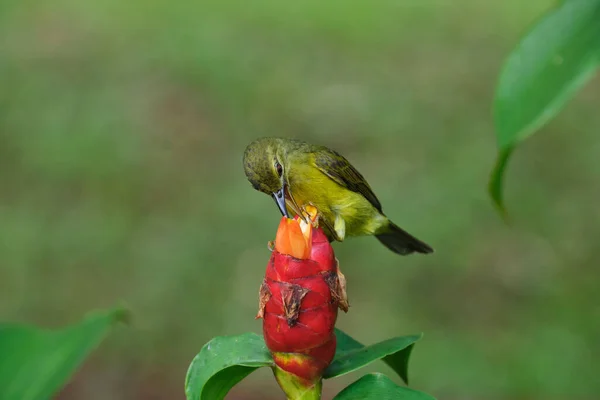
{"x": 299, "y": 299}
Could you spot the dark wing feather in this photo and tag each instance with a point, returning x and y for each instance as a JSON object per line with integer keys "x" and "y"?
{"x": 341, "y": 171}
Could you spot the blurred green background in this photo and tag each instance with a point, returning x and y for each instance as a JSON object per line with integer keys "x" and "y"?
{"x": 122, "y": 126}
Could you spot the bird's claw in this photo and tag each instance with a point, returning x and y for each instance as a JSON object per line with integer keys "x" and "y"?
{"x": 310, "y": 212}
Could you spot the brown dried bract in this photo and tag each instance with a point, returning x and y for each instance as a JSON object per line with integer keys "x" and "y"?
{"x": 291, "y": 296}
{"x": 343, "y": 301}
{"x": 337, "y": 286}
{"x": 264, "y": 295}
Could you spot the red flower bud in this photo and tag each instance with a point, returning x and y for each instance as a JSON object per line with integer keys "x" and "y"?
{"x": 299, "y": 299}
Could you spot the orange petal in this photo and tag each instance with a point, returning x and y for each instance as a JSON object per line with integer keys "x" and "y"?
{"x": 291, "y": 239}
{"x": 297, "y": 240}
{"x": 306, "y": 229}
{"x": 282, "y": 239}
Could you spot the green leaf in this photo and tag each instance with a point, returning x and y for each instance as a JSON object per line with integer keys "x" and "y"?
{"x": 497, "y": 180}
{"x": 377, "y": 387}
{"x": 552, "y": 61}
{"x": 35, "y": 363}
{"x": 222, "y": 363}
{"x": 345, "y": 342}
{"x": 351, "y": 354}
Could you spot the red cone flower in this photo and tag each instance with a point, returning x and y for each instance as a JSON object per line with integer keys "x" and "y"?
{"x": 299, "y": 299}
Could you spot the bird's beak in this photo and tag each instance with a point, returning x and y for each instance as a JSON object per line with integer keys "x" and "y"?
{"x": 279, "y": 197}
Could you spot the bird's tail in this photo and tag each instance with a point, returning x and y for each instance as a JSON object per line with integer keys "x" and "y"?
{"x": 401, "y": 242}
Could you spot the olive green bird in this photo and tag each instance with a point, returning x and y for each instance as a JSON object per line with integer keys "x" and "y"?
{"x": 297, "y": 174}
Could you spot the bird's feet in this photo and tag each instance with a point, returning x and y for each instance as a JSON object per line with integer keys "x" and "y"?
{"x": 310, "y": 212}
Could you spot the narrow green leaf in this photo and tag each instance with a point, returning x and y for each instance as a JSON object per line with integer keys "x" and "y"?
{"x": 397, "y": 361}
{"x": 552, "y": 61}
{"x": 378, "y": 387}
{"x": 35, "y": 363}
{"x": 222, "y": 363}
{"x": 351, "y": 355}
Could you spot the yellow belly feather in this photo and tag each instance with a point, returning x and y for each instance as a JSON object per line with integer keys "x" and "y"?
{"x": 310, "y": 186}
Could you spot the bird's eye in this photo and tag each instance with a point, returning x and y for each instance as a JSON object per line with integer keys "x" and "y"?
{"x": 278, "y": 168}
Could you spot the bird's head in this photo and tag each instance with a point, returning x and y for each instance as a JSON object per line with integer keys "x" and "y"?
{"x": 264, "y": 164}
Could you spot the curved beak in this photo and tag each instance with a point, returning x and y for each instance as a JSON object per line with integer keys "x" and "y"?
{"x": 279, "y": 197}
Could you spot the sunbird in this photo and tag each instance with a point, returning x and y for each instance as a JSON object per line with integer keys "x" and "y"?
{"x": 297, "y": 174}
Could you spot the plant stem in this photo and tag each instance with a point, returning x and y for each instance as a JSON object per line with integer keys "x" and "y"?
{"x": 296, "y": 388}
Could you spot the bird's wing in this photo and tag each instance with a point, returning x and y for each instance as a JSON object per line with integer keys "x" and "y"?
{"x": 342, "y": 172}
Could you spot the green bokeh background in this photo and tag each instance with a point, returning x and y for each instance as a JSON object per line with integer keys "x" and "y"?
{"x": 122, "y": 126}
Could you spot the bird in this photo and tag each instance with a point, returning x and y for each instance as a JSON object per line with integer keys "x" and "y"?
{"x": 297, "y": 174}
